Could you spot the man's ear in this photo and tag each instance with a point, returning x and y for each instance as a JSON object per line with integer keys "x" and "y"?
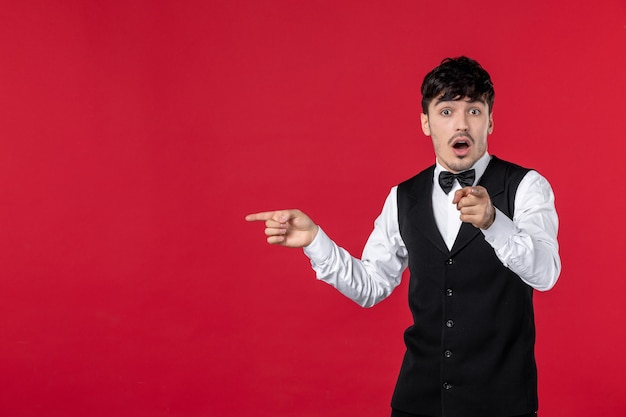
{"x": 490, "y": 131}
{"x": 425, "y": 125}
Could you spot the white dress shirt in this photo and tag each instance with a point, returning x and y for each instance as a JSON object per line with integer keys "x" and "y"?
{"x": 527, "y": 245}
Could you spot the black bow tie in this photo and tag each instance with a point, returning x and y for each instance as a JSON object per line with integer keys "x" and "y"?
{"x": 465, "y": 178}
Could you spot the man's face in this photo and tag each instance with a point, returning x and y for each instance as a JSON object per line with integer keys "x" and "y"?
{"x": 459, "y": 130}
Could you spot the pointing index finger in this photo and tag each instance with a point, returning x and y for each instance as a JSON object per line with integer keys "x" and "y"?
{"x": 463, "y": 192}
{"x": 280, "y": 216}
{"x": 265, "y": 215}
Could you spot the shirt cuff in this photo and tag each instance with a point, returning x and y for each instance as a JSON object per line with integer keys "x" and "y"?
{"x": 320, "y": 249}
{"x": 500, "y": 231}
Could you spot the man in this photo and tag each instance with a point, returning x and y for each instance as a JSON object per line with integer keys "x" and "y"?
{"x": 478, "y": 235}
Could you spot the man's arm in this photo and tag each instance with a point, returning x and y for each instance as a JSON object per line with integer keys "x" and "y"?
{"x": 366, "y": 281}
{"x": 527, "y": 245}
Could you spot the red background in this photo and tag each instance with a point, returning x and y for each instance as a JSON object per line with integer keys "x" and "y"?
{"x": 135, "y": 136}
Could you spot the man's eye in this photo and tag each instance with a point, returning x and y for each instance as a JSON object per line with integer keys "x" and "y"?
{"x": 475, "y": 112}
{"x": 446, "y": 112}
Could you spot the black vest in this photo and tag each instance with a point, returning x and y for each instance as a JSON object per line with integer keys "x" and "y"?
{"x": 470, "y": 351}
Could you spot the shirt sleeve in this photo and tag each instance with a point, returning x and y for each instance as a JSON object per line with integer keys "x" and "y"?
{"x": 371, "y": 279}
{"x": 528, "y": 245}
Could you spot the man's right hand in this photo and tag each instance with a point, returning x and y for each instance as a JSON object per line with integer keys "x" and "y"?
{"x": 290, "y": 228}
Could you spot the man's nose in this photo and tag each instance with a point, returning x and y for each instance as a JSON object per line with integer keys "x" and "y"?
{"x": 461, "y": 123}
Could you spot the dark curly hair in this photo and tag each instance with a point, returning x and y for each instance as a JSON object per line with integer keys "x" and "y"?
{"x": 455, "y": 79}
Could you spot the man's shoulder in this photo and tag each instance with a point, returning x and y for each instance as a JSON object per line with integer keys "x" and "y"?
{"x": 427, "y": 174}
{"x": 502, "y": 171}
{"x": 497, "y": 162}
{"x": 418, "y": 185}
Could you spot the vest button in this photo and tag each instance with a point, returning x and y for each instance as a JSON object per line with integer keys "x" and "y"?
{"x": 449, "y": 292}
{"x": 450, "y": 323}
{"x": 447, "y": 386}
{"x": 450, "y": 261}
{"x": 447, "y": 353}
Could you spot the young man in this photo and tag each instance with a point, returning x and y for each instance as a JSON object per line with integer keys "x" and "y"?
{"x": 478, "y": 234}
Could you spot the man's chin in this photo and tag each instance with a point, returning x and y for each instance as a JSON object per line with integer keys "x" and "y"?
{"x": 461, "y": 164}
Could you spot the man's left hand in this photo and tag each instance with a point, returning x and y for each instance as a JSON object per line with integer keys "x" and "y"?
{"x": 475, "y": 206}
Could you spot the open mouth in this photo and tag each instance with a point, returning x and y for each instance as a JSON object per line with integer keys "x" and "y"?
{"x": 461, "y": 146}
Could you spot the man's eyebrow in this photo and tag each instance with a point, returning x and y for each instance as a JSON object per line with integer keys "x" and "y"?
{"x": 447, "y": 100}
